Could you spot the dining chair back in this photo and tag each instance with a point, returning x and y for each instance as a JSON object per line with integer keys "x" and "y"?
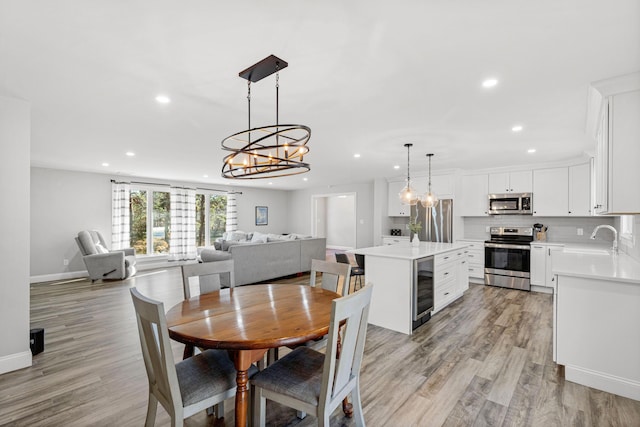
{"x": 211, "y": 276}
{"x": 185, "y": 388}
{"x": 333, "y": 274}
{"x": 317, "y": 383}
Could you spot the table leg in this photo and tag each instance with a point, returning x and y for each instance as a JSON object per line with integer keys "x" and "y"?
{"x": 242, "y": 359}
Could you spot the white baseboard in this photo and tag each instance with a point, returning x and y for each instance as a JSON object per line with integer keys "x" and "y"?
{"x": 59, "y": 276}
{"x": 13, "y": 362}
{"x": 605, "y": 382}
{"x": 542, "y": 289}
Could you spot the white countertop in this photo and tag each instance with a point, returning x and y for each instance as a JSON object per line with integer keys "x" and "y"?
{"x": 621, "y": 267}
{"x": 405, "y": 250}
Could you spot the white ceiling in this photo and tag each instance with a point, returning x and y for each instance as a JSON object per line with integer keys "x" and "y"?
{"x": 366, "y": 76}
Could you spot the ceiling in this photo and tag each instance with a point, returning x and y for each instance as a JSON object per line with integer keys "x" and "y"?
{"x": 365, "y": 76}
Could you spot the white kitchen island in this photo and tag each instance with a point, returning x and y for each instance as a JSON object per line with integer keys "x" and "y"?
{"x": 597, "y": 321}
{"x": 391, "y": 269}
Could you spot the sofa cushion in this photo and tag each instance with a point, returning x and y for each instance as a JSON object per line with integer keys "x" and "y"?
{"x": 236, "y": 236}
{"x": 259, "y": 237}
{"x": 210, "y": 255}
{"x": 101, "y": 249}
{"x": 226, "y": 244}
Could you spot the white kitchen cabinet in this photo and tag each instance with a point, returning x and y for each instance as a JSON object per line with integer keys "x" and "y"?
{"x": 579, "y": 190}
{"x": 394, "y": 240}
{"x": 623, "y": 175}
{"x": 563, "y": 191}
{"x": 551, "y": 192}
{"x": 446, "y": 281}
{"x": 475, "y": 259}
{"x": 511, "y": 182}
{"x": 473, "y": 200}
{"x": 396, "y": 208}
{"x": 463, "y": 275}
{"x": 540, "y": 263}
{"x": 441, "y": 185}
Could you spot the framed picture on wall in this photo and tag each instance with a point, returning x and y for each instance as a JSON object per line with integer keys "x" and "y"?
{"x": 262, "y": 215}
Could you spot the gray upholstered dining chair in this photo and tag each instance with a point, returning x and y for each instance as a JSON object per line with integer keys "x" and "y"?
{"x": 102, "y": 263}
{"x": 189, "y": 386}
{"x": 332, "y": 274}
{"x": 317, "y": 383}
{"x": 211, "y": 276}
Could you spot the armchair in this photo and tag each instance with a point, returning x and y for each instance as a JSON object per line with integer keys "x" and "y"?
{"x": 102, "y": 263}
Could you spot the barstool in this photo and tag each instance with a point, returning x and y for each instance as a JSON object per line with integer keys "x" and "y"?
{"x": 356, "y": 272}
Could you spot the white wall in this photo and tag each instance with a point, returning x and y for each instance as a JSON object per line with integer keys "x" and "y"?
{"x": 65, "y": 202}
{"x": 340, "y": 219}
{"x": 300, "y": 205}
{"x": 15, "y": 147}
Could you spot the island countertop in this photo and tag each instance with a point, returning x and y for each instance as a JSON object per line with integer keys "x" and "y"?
{"x": 405, "y": 250}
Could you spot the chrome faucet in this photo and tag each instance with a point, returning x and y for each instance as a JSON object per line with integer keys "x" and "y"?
{"x": 615, "y": 236}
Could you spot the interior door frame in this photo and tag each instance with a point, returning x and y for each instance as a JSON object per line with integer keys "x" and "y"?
{"x": 354, "y": 195}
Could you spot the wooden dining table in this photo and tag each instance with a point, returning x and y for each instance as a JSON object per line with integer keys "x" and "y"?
{"x": 249, "y": 320}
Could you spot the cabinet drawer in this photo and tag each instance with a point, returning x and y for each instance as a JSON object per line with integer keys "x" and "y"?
{"x": 394, "y": 240}
{"x": 448, "y": 257}
{"x": 477, "y": 272}
{"x": 445, "y": 272}
{"x": 445, "y": 293}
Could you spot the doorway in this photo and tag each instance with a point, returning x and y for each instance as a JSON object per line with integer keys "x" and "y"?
{"x": 334, "y": 217}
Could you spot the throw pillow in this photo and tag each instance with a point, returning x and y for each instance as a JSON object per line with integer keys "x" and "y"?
{"x": 259, "y": 237}
{"x": 237, "y": 236}
{"x": 101, "y": 249}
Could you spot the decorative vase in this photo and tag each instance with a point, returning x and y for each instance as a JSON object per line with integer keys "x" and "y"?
{"x": 415, "y": 242}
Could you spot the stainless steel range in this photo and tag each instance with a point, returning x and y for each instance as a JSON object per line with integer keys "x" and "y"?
{"x": 507, "y": 257}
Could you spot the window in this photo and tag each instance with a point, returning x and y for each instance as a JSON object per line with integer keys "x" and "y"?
{"x": 150, "y": 214}
{"x": 215, "y": 221}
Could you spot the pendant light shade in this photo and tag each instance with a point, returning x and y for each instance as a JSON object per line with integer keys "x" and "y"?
{"x": 429, "y": 199}
{"x": 408, "y": 196}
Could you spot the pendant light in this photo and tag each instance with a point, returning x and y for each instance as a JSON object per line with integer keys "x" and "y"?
{"x": 408, "y": 196}
{"x": 267, "y": 151}
{"x": 429, "y": 199}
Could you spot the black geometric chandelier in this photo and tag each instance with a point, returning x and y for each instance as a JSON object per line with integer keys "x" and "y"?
{"x": 267, "y": 151}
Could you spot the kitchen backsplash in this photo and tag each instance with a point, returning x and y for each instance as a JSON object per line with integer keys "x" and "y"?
{"x": 563, "y": 230}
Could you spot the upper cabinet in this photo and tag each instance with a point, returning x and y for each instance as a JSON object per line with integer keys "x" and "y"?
{"x": 441, "y": 185}
{"x": 564, "y": 191}
{"x": 473, "y": 200}
{"x": 551, "y": 192}
{"x": 612, "y": 119}
{"x": 580, "y": 190}
{"x": 511, "y": 182}
{"x": 395, "y": 207}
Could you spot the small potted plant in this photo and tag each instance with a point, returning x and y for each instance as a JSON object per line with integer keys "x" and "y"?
{"x": 415, "y": 227}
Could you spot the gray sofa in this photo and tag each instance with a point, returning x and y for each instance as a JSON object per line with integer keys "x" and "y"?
{"x": 257, "y": 262}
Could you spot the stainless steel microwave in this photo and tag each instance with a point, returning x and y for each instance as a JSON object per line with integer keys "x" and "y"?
{"x": 511, "y": 204}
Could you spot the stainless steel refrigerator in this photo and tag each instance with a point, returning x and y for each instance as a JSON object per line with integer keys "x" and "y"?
{"x": 437, "y": 222}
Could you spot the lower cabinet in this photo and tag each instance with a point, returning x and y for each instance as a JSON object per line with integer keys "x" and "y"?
{"x": 475, "y": 259}
{"x": 392, "y": 240}
{"x": 450, "y": 278}
{"x": 541, "y": 273}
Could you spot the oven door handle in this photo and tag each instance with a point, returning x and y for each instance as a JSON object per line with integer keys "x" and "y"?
{"x": 507, "y": 246}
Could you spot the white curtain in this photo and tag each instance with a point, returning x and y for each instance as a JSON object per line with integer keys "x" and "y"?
{"x": 182, "y": 244}
{"x": 232, "y": 213}
{"x": 120, "y": 215}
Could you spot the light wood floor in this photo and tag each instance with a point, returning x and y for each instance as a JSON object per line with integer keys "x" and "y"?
{"x": 485, "y": 360}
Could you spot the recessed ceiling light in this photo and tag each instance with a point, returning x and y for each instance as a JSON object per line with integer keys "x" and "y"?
{"x": 305, "y": 179}
{"x": 489, "y": 83}
{"x": 396, "y": 166}
{"x": 163, "y": 99}
{"x": 271, "y": 183}
{"x": 531, "y": 150}
{"x": 205, "y": 176}
{"x": 130, "y": 153}
{"x": 105, "y": 164}
{"x": 357, "y": 155}
{"x": 516, "y": 128}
